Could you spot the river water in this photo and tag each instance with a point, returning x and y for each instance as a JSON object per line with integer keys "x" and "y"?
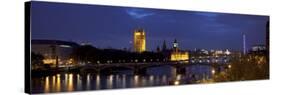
{"x": 155, "y": 76}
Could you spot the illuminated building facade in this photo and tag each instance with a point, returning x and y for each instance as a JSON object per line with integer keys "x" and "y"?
{"x": 178, "y": 55}
{"x": 139, "y": 40}
{"x": 55, "y": 52}
{"x": 259, "y": 48}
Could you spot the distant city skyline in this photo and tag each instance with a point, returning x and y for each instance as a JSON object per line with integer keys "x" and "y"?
{"x": 108, "y": 26}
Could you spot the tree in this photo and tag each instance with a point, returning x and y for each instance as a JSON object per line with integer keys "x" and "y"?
{"x": 248, "y": 67}
{"x": 36, "y": 60}
{"x": 85, "y": 54}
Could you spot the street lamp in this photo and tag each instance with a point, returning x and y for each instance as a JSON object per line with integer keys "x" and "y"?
{"x": 213, "y": 71}
{"x": 176, "y": 82}
{"x": 229, "y": 66}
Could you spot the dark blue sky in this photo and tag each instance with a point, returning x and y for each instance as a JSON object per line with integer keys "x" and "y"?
{"x": 107, "y": 26}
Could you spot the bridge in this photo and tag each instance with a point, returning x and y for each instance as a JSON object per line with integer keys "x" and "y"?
{"x": 140, "y": 68}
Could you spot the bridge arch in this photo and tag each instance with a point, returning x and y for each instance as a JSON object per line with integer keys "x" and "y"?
{"x": 112, "y": 68}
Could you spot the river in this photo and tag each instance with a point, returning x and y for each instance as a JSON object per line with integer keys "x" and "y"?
{"x": 155, "y": 76}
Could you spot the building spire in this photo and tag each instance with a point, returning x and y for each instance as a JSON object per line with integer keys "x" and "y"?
{"x": 244, "y": 44}
{"x": 164, "y": 47}
{"x": 175, "y": 41}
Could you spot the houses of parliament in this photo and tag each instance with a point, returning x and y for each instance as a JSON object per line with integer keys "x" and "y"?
{"x": 175, "y": 54}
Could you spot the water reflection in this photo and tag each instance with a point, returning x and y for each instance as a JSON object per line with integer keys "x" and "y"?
{"x": 88, "y": 82}
{"x": 66, "y": 80}
{"x": 53, "y": 83}
{"x": 79, "y": 82}
{"x": 151, "y": 79}
{"x": 123, "y": 81}
{"x": 98, "y": 82}
{"x": 70, "y": 83}
{"x": 58, "y": 86}
{"x": 157, "y": 76}
{"x": 47, "y": 85}
{"x": 109, "y": 81}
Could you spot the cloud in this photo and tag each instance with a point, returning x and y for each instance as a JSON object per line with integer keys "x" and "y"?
{"x": 138, "y": 13}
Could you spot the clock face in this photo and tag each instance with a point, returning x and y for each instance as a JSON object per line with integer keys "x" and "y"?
{"x": 175, "y": 44}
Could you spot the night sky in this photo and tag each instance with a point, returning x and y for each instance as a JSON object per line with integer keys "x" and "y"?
{"x": 112, "y": 27}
